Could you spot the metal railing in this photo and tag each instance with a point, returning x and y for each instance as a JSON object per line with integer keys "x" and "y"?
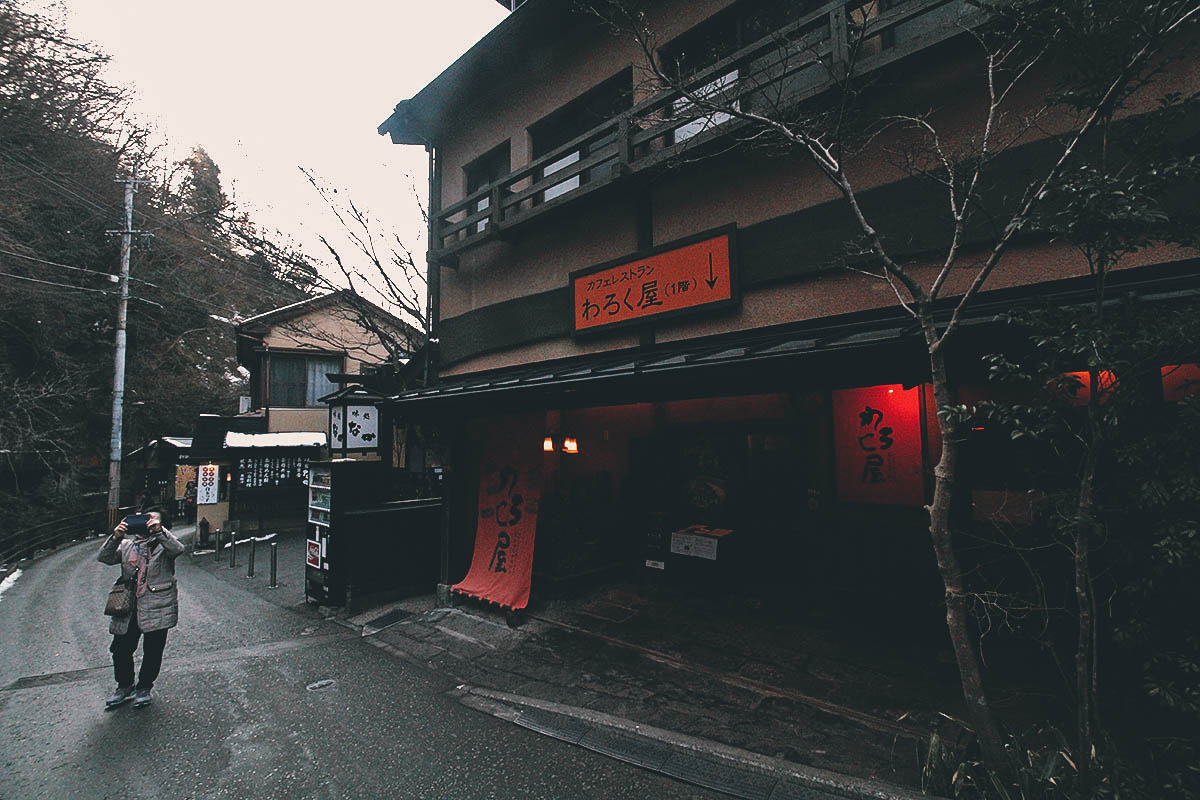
{"x": 25, "y": 543}
{"x": 795, "y": 63}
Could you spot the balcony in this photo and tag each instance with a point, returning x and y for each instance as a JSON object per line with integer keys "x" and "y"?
{"x": 795, "y": 63}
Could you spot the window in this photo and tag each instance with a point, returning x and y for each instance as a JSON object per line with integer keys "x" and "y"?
{"x": 483, "y": 171}
{"x": 719, "y": 37}
{"x": 297, "y": 381}
{"x": 598, "y": 105}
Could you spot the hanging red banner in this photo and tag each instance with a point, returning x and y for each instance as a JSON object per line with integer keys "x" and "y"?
{"x": 1180, "y": 381}
{"x": 510, "y": 488}
{"x": 878, "y": 449}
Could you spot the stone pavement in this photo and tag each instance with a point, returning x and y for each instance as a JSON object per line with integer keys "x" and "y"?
{"x": 773, "y": 708}
{"x": 761, "y": 690}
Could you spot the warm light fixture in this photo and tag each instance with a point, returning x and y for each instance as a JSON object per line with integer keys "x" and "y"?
{"x": 570, "y": 445}
{"x": 548, "y": 444}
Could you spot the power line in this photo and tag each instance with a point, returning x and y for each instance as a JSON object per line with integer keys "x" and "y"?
{"x": 75, "y": 288}
{"x": 189, "y": 256}
{"x": 113, "y": 278}
{"x": 161, "y": 222}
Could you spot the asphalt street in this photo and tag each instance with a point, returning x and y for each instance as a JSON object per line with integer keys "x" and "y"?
{"x": 255, "y": 699}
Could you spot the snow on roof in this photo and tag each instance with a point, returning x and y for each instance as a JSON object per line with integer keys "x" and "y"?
{"x": 178, "y": 441}
{"x": 280, "y": 439}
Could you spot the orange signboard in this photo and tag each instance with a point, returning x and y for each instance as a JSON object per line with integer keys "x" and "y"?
{"x": 676, "y": 278}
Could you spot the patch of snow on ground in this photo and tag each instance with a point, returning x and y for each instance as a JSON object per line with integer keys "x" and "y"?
{"x": 7, "y": 583}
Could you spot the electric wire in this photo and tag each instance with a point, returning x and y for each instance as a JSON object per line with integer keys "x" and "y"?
{"x": 75, "y": 288}
{"x": 77, "y": 269}
{"x": 161, "y": 222}
{"x": 192, "y": 256}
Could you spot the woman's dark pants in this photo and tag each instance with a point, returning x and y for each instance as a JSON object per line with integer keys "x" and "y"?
{"x": 123, "y": 647}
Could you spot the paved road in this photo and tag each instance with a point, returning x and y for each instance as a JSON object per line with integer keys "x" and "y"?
{"x": 232, "y": 716}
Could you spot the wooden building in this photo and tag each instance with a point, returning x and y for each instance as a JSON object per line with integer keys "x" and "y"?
{"x": 649, "y": 353}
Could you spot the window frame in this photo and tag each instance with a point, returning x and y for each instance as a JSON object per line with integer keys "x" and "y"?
{"x": 480, "y": 172}
{"x": 304, "y": 357}
{"x": 572, "y": 117}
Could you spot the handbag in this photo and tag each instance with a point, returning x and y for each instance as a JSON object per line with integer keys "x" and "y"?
{"x": 120, "y": 599}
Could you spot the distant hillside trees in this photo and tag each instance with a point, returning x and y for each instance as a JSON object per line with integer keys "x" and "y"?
{"x": 66, "y": 135}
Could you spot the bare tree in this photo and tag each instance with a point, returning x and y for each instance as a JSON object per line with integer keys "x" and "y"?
{"x": 378, "y": 268}
{"x": 804, "y": 90}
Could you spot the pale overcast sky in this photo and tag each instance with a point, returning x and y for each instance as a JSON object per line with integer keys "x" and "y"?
{"x": 267, "y": 85}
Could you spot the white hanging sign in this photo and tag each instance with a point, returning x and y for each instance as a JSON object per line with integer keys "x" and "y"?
{"x": 206, "y": 487}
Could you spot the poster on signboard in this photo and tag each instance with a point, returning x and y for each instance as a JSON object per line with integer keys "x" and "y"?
{"x": 206, "y": 487}
{"x": 510, "y": 488}
{"x": 184, "y": 474}
{"x": 878, "y": 447}
{"x": 313, "y": 558}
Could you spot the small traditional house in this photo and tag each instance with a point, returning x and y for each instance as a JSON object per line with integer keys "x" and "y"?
{"x": 252, "y": 468}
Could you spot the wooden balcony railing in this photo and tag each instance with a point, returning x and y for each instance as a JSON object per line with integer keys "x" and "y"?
{"x": 795, "y": 63}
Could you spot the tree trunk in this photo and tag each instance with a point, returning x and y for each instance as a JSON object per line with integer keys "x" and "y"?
{"x": 1084, "y": 523}
{"x": 958, "y": 620}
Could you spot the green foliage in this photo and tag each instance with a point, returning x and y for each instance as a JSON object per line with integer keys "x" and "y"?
{"x": 1147, "y": 513}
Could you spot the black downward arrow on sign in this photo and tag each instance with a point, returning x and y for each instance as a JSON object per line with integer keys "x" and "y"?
{"x": 711, "y": 280}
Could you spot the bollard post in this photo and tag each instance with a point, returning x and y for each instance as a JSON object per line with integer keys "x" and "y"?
{"x": 274, "y": 562}
{"x": 232, "y": 549}
{"x": 250, "y": 559}
{"x": 217, "y": 548}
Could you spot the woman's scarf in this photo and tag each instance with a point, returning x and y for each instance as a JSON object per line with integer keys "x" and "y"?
{"x": 139, "y": 559}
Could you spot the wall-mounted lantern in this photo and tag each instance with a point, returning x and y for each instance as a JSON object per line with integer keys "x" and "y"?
{"x": 353, "y": 420}
{"x": 570, "y": 444}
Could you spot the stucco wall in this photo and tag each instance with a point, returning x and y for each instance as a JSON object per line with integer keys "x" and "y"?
{"x": 297, "y": 419}
{"x": 743, "y": 187}
{"x": 330, "y": 329}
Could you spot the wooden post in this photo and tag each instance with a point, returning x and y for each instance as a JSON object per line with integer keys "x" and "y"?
{"x": 624, "y": 165}
{"x": 839, "y": 41}
{"x": 494, "y": 215}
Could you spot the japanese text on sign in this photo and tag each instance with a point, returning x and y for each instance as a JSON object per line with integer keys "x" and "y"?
{"x": 509, "y": 495}
{"x": 879, "y": 449}
{"x": 358, "y": 425}
{"x": 206, "y": 489}
{"x": 694, "y": 275}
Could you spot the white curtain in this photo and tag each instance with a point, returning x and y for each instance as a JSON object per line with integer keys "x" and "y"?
{"x": 317, "y": 384}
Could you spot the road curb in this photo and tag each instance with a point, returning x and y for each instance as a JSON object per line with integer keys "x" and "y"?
{"x": 509, "y": 707}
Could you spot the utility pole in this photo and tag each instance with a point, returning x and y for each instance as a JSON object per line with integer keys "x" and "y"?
{"x": 118, "y": 402}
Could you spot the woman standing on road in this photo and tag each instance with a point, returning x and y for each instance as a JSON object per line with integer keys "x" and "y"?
{"x": 148, "y": 561}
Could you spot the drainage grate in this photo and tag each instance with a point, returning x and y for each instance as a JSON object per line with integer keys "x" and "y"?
{"x": 665, "y": 758}
{"x": 723, "y": 778}
{"x": 634, "y": 749}
{"x": 559, "y": 726}
{"x": 390, "y": 618}
{"x": 788, "y": 790}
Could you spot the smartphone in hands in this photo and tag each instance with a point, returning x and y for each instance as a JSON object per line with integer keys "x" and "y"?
{"x": 136, "y": 525}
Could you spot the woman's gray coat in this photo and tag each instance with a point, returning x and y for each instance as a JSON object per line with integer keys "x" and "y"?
{"x": 158, "y": 608}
